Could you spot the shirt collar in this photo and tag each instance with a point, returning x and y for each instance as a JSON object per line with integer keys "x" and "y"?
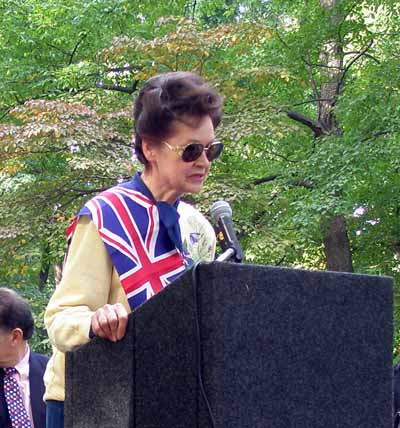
{"x": 168, "y": 213}
{"x": 22, "y": 366}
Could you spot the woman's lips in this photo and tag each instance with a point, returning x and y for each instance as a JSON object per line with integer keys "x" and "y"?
{"x": 197, "y": 177}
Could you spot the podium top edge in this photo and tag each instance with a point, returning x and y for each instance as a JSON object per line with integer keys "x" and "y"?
{"x": 294, "y": 269}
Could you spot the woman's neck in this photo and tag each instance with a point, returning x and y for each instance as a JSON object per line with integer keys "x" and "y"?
{"x": 159, "y": 192}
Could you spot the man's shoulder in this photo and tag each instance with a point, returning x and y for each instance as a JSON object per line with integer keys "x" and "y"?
{"x": 39, "y": 359}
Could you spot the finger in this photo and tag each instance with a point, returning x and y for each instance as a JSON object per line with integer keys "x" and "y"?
{"x": 122, "y": 315}
{"x": 112, "y": 321}
{"x": 96, "y": 328}
{"x": 103, "y": 323}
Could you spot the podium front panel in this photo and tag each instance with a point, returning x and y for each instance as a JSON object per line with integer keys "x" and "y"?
{"x": 244, "y": 346}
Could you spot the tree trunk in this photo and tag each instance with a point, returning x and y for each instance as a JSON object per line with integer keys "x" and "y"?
{"x": 336, "y": 242}
{"x": 332, "y": 58}
{"x": 331, "y": 72}
{"x": 337, "y": 246}
{"x": 44, "y": 268}
{"x": 43, "y": 276}
{"x": 58, "y": 273}
{"x": 396, "y": 250}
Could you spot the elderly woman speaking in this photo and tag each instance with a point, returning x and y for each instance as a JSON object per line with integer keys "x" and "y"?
{"x": 132, "y": 240}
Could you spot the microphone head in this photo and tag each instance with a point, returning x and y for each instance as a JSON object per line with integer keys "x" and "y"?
{"x": 220, "y": 209}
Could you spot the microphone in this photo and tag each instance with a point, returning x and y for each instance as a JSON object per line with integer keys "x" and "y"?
{"x": 221, "y": 212}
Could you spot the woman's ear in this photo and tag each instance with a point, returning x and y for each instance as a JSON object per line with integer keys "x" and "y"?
{"x": 148, "y": 149}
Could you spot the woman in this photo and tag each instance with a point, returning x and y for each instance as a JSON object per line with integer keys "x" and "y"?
{"x": 132, "y": 240}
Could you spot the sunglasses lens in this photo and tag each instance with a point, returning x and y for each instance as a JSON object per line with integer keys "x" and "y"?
{"x": 192, "y": 152}
{"x": 214, "y": 151}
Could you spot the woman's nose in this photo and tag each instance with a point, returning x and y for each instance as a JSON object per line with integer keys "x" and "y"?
{"x": 202, "y": 159}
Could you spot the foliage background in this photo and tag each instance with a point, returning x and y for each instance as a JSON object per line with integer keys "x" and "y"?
{"x": 311, "y": 124}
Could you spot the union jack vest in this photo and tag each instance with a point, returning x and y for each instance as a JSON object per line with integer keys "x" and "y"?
{"x": 144, "y": 237}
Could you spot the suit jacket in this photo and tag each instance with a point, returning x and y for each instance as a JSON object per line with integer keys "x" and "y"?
{"x": 396, "y": 396}
{"x": 37, "y": 366}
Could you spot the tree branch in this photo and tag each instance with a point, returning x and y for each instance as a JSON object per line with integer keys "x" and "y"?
{"x": 57, "y": 49}
{"x": 79, "y": 194}
{"x": 321, "y": 65}
{"x": 301, "y": 182}
{"x": 280, "y": 261}
{"x": 312, "y": 124}
{"x": 352, "y": 7}
{"x": 365, "y": 54}
{"x": 266, "y": 179}
{"x": 122, "y": 69}
{"x": 44, "y": 267}
{"x": 353, "y": 60}
{"x": 85, "y": 192}
{"x": 127, "y": 90}
{"x": 308, "y": 64}
{"x": 100, "y": 85}
{"x": 278, "y": 155}
{"x": 76, "y": 48}
{"x": 40, "y": 96}
{"x": 6, "y": 112}
{"x": 317, "y": 100}
{"x": 194, "y": 8}
{"x": 313, "y": 83}
{"x": 376, "y": 135}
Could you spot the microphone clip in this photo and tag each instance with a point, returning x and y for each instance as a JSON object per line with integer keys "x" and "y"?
{"x": 232, "y": 251}
{"x": 222, "y": 214}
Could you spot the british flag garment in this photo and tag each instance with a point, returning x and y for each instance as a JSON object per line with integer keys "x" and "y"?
{"x": 141, "y": 235}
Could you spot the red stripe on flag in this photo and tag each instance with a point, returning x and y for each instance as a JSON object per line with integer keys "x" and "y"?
{"x": 99, "y": 214}
{"x": 151, "y": 227}
{"x": 150, "y": 271}
{"x": 107, "y": 239}
{"x": 71, "y": 228}
{"x": 135, "y": 195}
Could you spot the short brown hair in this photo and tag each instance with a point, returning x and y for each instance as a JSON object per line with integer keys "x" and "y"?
{"x": 15, "y": 313}
{"x": 168, "y": 97}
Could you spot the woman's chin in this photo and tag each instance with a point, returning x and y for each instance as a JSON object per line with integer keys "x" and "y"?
{"x": 194, "y": 188}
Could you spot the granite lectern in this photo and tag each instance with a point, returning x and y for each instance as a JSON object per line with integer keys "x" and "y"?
{"x": 242, "y": 346}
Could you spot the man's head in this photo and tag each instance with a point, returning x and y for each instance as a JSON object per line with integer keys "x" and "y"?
{"x": 16, "y": 327}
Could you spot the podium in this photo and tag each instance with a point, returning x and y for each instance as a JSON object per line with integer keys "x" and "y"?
{"x": 243, "y": 346}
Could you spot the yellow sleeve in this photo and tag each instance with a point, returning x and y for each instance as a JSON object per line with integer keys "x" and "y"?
{"x": 84, "y": 287}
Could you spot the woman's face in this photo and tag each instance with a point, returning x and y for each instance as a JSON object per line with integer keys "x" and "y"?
{"x": 169, "y": 172}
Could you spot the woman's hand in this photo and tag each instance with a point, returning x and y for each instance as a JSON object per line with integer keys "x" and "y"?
{"x": 110, "y": 321}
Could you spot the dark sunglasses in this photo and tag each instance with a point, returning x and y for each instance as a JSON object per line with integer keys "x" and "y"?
{"x": 193, "y": 151}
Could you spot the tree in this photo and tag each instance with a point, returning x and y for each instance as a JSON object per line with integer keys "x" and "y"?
{"x": 311, "y": 121}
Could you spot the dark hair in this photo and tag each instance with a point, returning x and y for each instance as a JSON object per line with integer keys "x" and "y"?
{"x": 15, "y": 313}
{"x": 168, "y": 97}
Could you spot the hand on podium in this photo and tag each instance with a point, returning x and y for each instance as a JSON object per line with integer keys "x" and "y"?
{"x": 110, "y": 321}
